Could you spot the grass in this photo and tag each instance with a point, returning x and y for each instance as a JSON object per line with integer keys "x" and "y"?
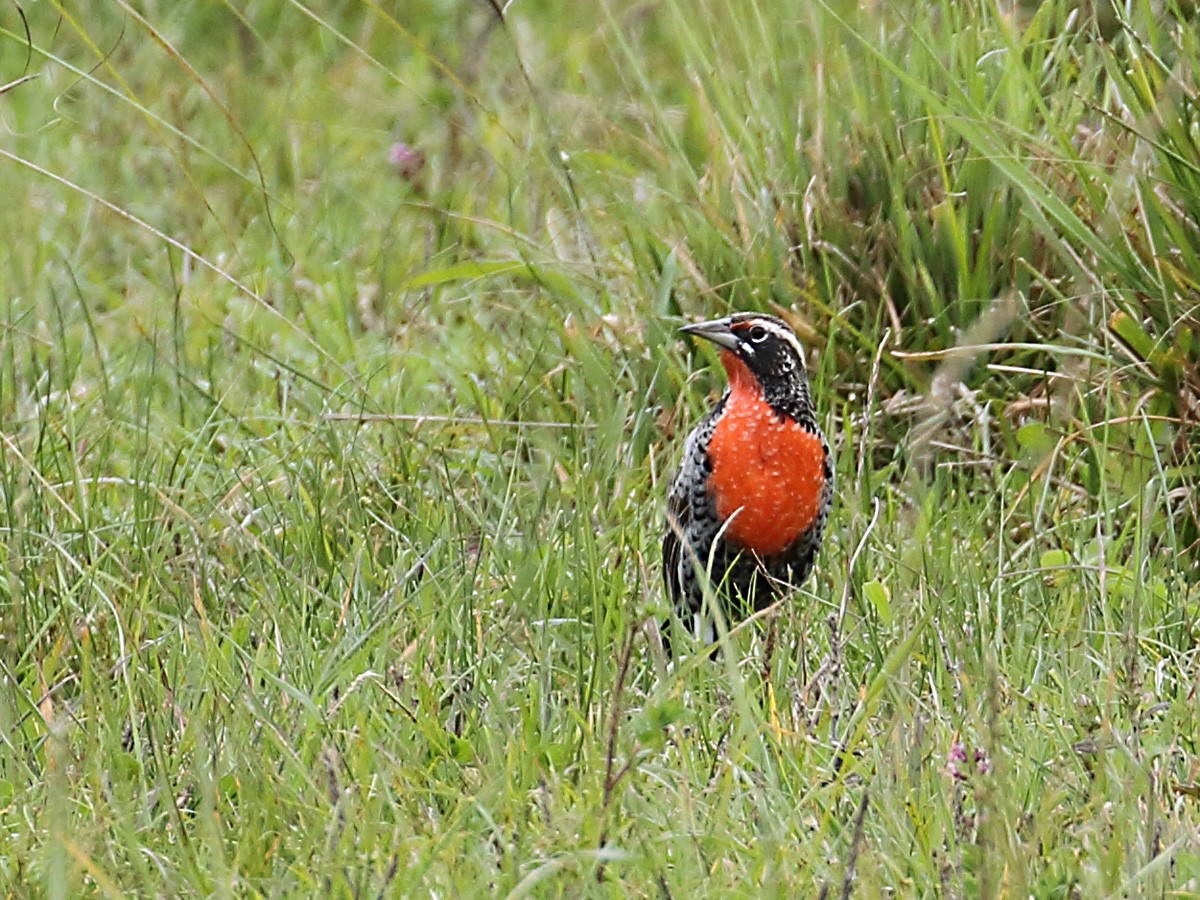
{"x": 331, "y": 495}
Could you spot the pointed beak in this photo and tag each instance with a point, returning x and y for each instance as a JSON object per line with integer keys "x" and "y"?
{"x": 716, "y": 330}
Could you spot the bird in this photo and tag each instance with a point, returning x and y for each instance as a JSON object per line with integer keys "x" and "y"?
{"x": 748, "y": 507}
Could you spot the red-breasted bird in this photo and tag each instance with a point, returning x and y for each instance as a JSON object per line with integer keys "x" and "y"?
{"x": 748, "y": 508}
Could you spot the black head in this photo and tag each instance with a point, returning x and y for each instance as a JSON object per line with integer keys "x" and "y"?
{"x": 771, "y": 352}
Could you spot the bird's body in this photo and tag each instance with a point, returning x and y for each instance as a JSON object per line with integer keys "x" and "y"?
{"x": 747, "y": 510}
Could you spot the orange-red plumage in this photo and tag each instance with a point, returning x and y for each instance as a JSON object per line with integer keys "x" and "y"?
{"x": 767, "y": 470}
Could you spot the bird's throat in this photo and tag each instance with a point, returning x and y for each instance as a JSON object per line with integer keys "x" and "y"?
{"x": 740, "y": 376}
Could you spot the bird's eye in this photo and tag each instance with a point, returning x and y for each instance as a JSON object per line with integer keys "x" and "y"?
{"x": 758, "y": 334}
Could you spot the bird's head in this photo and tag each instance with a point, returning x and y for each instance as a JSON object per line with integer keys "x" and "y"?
{"x": 760, "y": 353}
{"x": 759, "y": 347}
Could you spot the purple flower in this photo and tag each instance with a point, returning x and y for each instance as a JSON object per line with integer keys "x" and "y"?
{"x": 957, "y": 755}
{"x": 407, "y": 161}
{"x": 982, "y": 763}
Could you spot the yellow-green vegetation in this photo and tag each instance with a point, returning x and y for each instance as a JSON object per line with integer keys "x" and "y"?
{"x": 340, "y": 389}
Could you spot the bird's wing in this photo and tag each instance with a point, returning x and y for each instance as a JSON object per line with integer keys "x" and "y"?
{"x": 679, "y": 513}
{"x": 690, "y": 508}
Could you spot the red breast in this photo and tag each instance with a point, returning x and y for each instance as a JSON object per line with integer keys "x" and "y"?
{"x": 766, "y": 469}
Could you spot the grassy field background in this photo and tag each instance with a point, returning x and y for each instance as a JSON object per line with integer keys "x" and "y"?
{"x": 340, "y": 389}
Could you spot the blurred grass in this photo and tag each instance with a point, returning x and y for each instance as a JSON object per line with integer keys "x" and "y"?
{"x": 257, "y": 642}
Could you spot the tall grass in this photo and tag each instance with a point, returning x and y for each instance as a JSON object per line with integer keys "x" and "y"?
{"x": 331, "y": 488}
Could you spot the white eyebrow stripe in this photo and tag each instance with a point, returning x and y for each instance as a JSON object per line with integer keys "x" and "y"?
{"x": 786, "y": 334}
